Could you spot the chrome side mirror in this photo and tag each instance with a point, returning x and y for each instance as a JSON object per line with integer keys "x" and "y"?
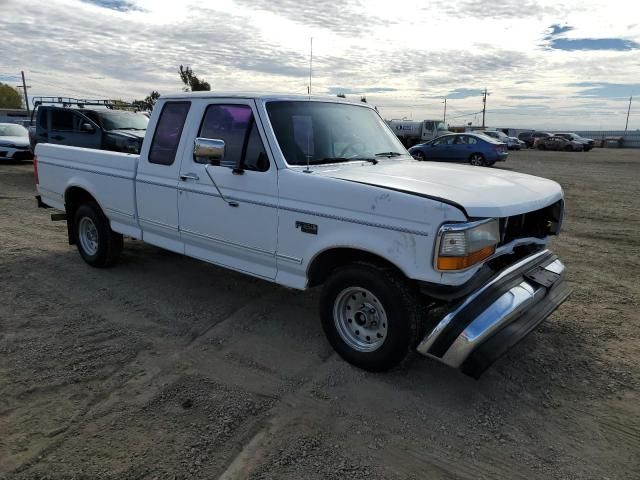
{"x": 208, "y": 150}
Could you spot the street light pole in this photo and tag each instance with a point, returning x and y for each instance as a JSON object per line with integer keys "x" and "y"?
{"x": 444, "y": 118}
{"x": 628, "y": 112}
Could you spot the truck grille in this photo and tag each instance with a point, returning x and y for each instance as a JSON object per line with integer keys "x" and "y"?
{"x": 538, "y": 224}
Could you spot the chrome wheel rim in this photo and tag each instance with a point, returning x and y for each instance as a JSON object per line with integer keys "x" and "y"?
{"x": 476, "y": 160}
{"x": 88, "y": 236}
{"x": 360, "y": 319}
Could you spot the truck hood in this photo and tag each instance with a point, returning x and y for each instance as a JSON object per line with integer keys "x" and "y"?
{"x": 18, "y": 141}
{"x": 479, "y": 191}
{"x": 133, "y": 134}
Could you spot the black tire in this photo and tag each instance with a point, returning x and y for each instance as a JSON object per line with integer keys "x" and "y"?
{"x": 418, "y": 155}
{"x": 541, "y": 146}
{"x": 568, "y": 148}
{"x": 109, "y": 243}
{"x": 477, "y": 159}
{"x": 401, "y": 306}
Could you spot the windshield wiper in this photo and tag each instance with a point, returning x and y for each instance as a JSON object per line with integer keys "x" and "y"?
{"x": 343, "y": 159}
{"x": 389, "y": 154}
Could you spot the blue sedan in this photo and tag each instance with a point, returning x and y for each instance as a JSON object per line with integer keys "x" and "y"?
{"x": 473, "y": 148}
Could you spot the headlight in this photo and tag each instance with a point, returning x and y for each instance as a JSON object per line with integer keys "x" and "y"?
{"x": 462, "y": 245}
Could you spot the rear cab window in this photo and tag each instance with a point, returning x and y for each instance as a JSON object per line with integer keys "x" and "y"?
{"x": 168, "y": 132}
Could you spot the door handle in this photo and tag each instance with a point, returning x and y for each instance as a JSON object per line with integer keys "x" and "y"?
{"x": 189, "y": 176}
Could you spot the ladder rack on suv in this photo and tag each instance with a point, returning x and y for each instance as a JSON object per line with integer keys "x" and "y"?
{"x": 81, "y": 103}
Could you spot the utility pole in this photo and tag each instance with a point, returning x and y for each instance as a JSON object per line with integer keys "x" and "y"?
{"x": 484, "y": 105}
{"x": 628, "y": 112}
{"x": 444, "y": 118}
{"x": 26, "y": 96}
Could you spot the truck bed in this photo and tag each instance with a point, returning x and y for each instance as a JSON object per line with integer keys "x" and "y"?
{"x": 107, "y": 176}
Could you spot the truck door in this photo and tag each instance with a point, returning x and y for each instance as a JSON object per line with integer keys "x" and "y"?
{"x": 233, "y": 222}
{"x": 157, "y": 178}
{"x": 427, "y": 131}
{"x": 69, "y": 127}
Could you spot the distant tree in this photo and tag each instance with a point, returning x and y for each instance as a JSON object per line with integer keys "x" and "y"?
{"x": 363, "y": 99}
{"x": 9, "y": 97}
{"x": 341, "y": 95}
{"x": 148, "y": 103}
{"x": 191, "y": 82}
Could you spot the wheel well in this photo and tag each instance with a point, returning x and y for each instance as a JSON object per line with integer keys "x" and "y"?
{"x": 327, "y": 261}
{"x": 73, "y": 198}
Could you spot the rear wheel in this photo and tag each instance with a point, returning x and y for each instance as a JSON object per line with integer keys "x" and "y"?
{"x": 370, "y": 316}
{"x": 477, "y": 159}
{"x": 568, "y": 148}
{"x": 98, "y": 245}
{"x": 541, "y": 146}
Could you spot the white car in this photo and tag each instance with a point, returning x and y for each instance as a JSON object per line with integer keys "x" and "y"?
{"x": 512, "y": 143}
{"x": 305, "y": 191}
{"x": 14, "y": 142}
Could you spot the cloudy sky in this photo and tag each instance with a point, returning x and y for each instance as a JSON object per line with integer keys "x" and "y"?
{"x": 546, "y": 64}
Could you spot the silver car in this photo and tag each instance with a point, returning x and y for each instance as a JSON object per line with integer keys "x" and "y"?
{"x": 14, "y": 142}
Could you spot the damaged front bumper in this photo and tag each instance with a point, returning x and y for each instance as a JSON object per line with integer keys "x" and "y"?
{"x": 496, "y": 316}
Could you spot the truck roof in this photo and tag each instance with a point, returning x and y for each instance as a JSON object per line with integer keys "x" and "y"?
{"x": 260, "y": 96}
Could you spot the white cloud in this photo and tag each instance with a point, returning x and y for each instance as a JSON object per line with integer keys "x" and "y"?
{"x": 403, "y": 57}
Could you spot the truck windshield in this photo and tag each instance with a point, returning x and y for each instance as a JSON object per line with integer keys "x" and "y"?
{"x": 115, "y": 120}
{"x": 325, "y": 132}
{"x": 441, "y": 126}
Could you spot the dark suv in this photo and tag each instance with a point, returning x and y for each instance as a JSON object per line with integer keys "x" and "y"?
{"x": 103, "y": 129}
{"x": 530, "y": 137}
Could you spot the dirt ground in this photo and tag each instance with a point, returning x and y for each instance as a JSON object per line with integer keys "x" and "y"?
{"x": 166, "y": 367}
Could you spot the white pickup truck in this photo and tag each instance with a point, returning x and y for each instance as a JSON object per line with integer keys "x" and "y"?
{"x": 305, "y": 191}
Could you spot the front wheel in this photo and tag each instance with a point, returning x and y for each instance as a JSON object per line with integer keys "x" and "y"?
{"x": 418, "y": 155}
{"x": 370, "y": 316}
{"x": 98, "y": 245}
{"x": 477, "y": 159}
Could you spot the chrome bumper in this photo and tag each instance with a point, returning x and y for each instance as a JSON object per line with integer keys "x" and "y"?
{"x": 496, "y": 316}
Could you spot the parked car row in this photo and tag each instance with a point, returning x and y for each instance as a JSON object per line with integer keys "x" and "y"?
{"x": 567, "y": 141}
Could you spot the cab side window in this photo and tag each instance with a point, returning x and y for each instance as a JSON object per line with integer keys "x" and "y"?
{"x": 256, "y": 158}
{"x": 168, "y": 131}
{"x": 43, "y": 116}
{"x": 62, "y": 120}
{"x": 235, "y": 125}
